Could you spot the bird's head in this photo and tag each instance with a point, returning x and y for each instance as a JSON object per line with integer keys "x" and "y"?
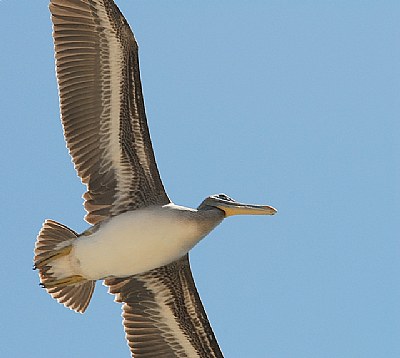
{"x": 232, "y": 207}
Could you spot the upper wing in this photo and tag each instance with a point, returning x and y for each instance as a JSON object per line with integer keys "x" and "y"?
{"x": 102, "y": 107}
{"x": 163, "y": 314}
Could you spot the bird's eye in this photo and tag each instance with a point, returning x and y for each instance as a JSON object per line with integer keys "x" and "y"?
{"x": 224, "y": 197}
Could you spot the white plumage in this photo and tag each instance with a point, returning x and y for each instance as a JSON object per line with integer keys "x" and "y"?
{"x": 132, "y": 243}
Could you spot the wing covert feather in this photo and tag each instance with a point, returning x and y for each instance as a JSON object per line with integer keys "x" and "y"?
{"x": 163, "y": 315}
{"x": 102, "y": 107}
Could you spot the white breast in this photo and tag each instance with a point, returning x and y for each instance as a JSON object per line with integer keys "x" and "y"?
{"x": 136, "y": 241}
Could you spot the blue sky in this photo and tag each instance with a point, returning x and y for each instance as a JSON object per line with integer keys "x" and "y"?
{"x": 288, "y": 103}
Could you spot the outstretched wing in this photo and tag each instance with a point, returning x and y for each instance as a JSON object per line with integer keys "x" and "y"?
{"x": 163, "y": 315}
{"x": 102, "y": 107}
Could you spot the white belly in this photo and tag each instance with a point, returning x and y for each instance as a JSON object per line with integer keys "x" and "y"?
{"x": 135, "y": 242}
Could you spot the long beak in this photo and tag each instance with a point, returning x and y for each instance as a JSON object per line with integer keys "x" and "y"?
{"x": 236, "y": 208}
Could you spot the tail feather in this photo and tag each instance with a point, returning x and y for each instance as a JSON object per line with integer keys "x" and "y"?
{"x": 52, "y": 238}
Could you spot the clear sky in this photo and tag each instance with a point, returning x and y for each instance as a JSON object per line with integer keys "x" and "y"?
{"x": 289, "y": 103}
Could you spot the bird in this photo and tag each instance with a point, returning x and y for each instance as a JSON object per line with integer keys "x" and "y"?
{"x": 138, "y": 241}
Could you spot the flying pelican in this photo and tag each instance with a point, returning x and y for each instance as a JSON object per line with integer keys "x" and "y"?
{"x": 139, "y": 240}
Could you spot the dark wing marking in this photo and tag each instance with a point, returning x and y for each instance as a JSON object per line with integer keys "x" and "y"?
{"x": 163, "y": 315}
{"x": 102, "y": 107}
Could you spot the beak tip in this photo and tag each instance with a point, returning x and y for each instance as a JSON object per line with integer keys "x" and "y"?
{"x": 271, "y": 210}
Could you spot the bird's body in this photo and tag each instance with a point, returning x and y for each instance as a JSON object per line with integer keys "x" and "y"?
{"x": 136, "y": 241}
{"x": 139, "y": 240}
